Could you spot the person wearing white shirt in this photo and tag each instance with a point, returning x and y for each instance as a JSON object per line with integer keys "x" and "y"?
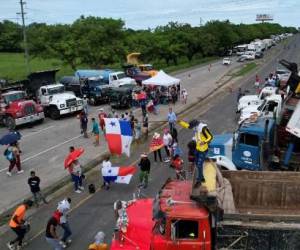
{"x": 167, "y": 140}
{"x": 106, "y": 164}
{"x": 64, "y": 207}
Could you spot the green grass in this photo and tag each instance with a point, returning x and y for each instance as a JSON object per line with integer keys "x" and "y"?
{"x": 12, "y": 65}
{"x": 246, "y": 69}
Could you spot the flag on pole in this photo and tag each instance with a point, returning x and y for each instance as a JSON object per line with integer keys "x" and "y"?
{"x": 118, "y": 136}
{"x": 121, "y": 175}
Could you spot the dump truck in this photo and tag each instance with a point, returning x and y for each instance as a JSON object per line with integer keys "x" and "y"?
{"x": 148, "y": 69}
{"x": 16, "y": 108}
{"x": 52, "y": 96}
{"x": 245, "y": 210}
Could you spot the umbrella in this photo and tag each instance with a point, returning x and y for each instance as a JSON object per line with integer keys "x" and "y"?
{"x": 73, "y": 156}
{"x": 10, "y": 138}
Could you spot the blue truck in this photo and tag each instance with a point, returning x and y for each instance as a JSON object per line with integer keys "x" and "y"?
{"x": 253, "y": 146}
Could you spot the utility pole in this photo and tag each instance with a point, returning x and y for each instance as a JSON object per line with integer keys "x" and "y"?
{"x": 24, "y": 36}
{"x": 201, "y": 21}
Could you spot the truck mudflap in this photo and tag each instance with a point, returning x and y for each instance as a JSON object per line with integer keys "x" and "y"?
{"x": 30, "y": 118}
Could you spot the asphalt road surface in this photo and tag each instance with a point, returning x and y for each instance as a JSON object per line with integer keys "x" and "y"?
{"x": 94, "y": 213}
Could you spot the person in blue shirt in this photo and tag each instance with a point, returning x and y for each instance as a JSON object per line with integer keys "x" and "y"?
{"x": 171, "y": 119}
{"x": 95, "y": 131}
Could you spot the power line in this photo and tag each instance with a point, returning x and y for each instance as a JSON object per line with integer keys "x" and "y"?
{"x": 24, "y": 35}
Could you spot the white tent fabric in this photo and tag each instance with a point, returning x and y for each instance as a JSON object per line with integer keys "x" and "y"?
{"x": 161, "y": 79}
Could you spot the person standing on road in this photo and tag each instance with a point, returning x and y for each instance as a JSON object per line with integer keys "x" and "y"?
{"x": 167, "y": 139}
{"x": 34, "y": 184}
{"x": 106, "y": 164}
{"x": 18, "y": 224}
{"x": 171, "y": 119}
{"x": 145, "y": 124}
{"x": 83, "y": 124}
{"x": 102, "y": 115}
{"x": 76, "y": 175}
{"x": 155, "y": 146}
{"x": 96, "y": 132}
{"x": 145, "y": 166}
{"x": 13, "y": 156}
{"x": 184, "y": 95}
{"x": 85, "y": 105}
{"x": 64, "y": 207}
{"x": 99, "y": 242}
{"x": 51, "y": 235}
{"x": 137, "y": 130}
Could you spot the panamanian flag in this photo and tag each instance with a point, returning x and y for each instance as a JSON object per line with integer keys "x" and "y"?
{"x": 121, "y": 175}
{"x": 118, "y": 136}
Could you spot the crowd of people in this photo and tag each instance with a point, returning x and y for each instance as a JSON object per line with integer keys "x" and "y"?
{"x": 59, "y": 217}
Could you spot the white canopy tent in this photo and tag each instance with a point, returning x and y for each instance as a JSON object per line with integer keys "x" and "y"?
{"x": 161, "y": 79}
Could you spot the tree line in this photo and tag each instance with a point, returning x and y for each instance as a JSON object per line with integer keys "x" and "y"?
{"x": 97, "y": 42}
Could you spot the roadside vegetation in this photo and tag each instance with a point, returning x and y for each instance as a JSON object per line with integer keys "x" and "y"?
{"x": 246, "y": 69}
{"x": 94, "y": 42}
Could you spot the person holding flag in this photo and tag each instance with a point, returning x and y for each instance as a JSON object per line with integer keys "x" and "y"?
{"x": 155, "y": 146}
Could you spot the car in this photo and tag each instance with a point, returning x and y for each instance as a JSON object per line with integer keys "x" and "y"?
{"x": 250, "y": 55}
{"x": 259, "y": 54}
{"x": 242, "y": 58}
{"x": 226, "y": 61}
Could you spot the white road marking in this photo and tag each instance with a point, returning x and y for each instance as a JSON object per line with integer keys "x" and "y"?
{"x": 47, "y": 150}
{"x": 37, "y": 132}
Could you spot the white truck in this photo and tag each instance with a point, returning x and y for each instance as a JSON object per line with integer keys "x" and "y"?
{"x": 270, "y": 107}
{"x": 52, "y": 96}
{"x": 248, "y": 100}
{"x": 56, "y": 101}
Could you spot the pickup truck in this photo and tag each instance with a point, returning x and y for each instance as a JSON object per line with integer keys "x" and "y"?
{"x": 226, "y": 61}
{"x": 110, "y": 77}
{"x": 260, "y": 211}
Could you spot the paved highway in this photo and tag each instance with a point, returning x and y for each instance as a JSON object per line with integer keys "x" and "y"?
{"x": 94, "y": 213}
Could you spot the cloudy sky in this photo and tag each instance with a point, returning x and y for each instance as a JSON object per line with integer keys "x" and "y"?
{"x": 139, "y": 14}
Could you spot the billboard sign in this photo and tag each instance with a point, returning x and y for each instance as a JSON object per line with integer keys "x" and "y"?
{"x": 264, "y": 17}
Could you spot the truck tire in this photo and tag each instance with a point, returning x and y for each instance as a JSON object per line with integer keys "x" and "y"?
{"x": 54, "y": 113}
{"x": 10, "y": 122}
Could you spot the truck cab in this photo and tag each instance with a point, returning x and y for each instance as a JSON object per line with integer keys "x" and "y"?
{"x": 248, "y": 100}
{"x": 117, "y": 79}
{"x": 270, "y": 107}
{"x": 56, "y": 101}
{"x": 17, "y": 109}
{"x": 171, "y": 221}
{"x": 248, "y": 148}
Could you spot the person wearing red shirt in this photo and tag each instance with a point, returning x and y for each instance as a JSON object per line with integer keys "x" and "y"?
{"x": 101, "y": 116}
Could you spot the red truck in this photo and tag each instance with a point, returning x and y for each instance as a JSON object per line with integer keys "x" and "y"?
{"x": 16, "y": 109}
{"x": 264, "y": 214}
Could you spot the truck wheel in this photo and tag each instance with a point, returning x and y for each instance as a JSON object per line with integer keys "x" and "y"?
{"x": 54, "y": 113}
{"x": 10, "y": 122}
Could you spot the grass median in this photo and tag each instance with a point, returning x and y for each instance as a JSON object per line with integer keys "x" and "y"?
{"x": 246, "y": 69}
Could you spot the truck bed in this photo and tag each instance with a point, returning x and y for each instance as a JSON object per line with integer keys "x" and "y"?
{"x": 265, "y": 193}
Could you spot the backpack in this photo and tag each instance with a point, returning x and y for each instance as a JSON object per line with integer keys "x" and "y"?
{"x": 9, "y": 155}
{"x": 92, "y": 188}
